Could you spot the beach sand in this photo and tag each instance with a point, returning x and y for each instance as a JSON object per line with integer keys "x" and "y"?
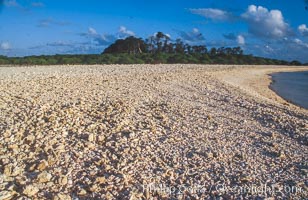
{"x": 256, "y": 81}
{"x": 149, "y": 132}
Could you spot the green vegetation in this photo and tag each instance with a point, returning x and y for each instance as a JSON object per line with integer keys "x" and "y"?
{"x": 144, "y": 58}
{"x": 154, "y": 50}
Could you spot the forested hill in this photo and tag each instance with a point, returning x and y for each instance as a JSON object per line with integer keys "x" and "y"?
{"x": 154, "y": 50}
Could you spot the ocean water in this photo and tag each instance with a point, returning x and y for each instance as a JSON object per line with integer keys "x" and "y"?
{"x": 292, "y": 86}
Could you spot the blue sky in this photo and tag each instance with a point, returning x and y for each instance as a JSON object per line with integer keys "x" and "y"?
{"x": 269, "y": 28}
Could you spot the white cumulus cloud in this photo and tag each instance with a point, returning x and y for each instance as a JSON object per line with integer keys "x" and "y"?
{"x": 195, "y": 36}
{"x": 266, "y": 23}
{"x": 212, "y": 13}
{"x": 124, "y": 32}
{"x": 92, "y": 31}
{"x": 240, "y": 40}
{"x": 195, "y": 30}
{"x": 106, "y": 39}
{"x": 303, "y": 29}
{"x": 5, "y": 46}
{"x": 300, "y": 43}
{"x": 99, "y": 39}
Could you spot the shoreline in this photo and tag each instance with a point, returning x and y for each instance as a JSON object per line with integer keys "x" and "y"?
{"x": 279, "y": 89}
{"x": 257, "y": 82}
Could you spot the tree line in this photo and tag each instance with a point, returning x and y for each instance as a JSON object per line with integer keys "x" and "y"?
{"x": 161, "y": 43}
{"x": 153, "y": 50}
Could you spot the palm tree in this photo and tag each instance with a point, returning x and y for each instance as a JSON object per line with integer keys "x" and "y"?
{"x": 159, "y": 35}
{"x": 213, "y": 51}
{"x": 179, "y": 46}
{"x": 165, "y": 47}
{"x": 150, "y": 44}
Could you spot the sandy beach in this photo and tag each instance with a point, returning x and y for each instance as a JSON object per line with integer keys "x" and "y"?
{"x": 149, "y": 132}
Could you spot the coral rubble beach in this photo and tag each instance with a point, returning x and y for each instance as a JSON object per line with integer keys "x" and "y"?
{"x": 143, "y": 131}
